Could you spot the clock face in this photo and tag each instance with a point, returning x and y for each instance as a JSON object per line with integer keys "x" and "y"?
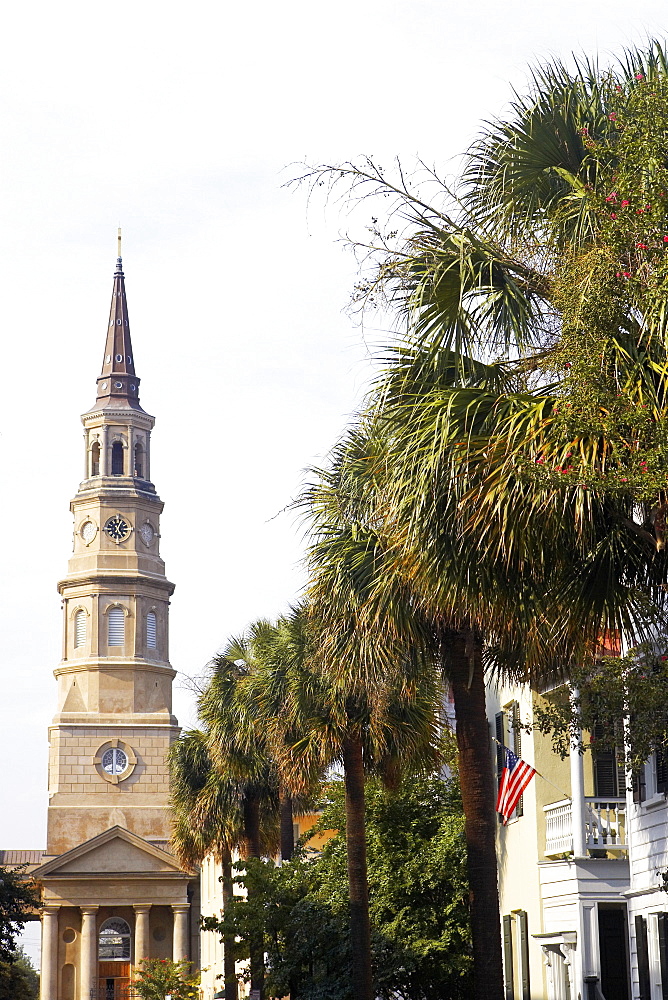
{"x": 117, "y": 528}
{"x": 114, "y": 761}
{"x": 88, "y": 531}
{"x": 147, "y": 533}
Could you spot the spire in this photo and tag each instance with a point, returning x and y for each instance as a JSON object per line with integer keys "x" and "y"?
{"x": 118, "y": 385}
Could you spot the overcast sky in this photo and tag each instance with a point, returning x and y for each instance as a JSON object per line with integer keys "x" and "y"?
{"x": 180, "y": 122}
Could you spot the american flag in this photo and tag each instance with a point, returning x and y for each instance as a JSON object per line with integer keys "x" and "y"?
{"x": 515, "y": 777}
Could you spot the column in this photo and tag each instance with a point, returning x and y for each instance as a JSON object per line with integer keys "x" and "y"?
{"x": 48, "y": 989}
{"x": 88, "y": 951}
{"x": 142, "y": 911}
{"x": 577, "y": 795}
{"x": 180, "y": 949}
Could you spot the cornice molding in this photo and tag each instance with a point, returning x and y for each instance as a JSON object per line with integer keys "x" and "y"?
{"x": 105, "y": 579}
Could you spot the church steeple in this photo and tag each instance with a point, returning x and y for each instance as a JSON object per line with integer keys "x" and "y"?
{"x": 118, "y": 384}
{"x": 115, "y": 680}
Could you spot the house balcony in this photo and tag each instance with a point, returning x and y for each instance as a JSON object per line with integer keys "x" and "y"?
{"x": 603, "y": 833}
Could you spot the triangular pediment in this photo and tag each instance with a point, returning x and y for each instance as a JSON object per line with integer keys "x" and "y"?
{"x": 113, "y": 852}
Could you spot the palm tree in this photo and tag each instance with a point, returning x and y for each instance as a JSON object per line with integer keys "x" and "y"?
{"x": 314, "y": 724}
{"x": 205, "y": 820}
{"x": 434, "y": 506}
{"x": 225, "y": 785}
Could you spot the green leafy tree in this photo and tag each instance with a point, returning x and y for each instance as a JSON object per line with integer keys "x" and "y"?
{"x": 19, "y": 898}
{"x": 419, "y": 911}
{"x": 18, "y": 978}
{"x": 157, "y": 978}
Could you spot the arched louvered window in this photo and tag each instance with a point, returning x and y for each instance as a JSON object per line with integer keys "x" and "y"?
{"x": 151, "y": 630}
{"x": 114, "y": 941}
{"x": 117, "y": 461}
{"x": 95, "y": 459}
{"x": 80, "y": 627}
{"x": 116, "y": 626}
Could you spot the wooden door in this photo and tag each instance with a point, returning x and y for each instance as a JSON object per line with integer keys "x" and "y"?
{"x": 113, "y": 981}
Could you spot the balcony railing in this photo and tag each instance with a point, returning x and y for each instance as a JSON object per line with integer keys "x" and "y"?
{"x": 604, "y": 826}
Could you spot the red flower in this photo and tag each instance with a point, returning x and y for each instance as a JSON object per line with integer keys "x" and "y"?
{"x": 613, "y": 116}
{"x": 625, "y": 203}
{"x": 639, "y": 76}
{"x": 641, "y": 246}
{"x": 612, "y": 196}
{"x": 613, "y": 215}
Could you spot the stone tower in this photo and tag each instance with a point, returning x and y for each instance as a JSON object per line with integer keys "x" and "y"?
{"x": 113, "y": 894}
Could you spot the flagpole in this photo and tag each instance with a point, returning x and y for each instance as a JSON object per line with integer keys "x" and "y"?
{"x": 565, "y": 794}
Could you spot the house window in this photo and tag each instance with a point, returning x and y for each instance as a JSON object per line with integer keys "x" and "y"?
{"x": 151, "y": 630}
{"x": 80, "y": 627}
{"x": 114, "y": 941}
{"x": 117, "y": 463}
{"x": 115, "y": 627}
{"x": 508, "y": 734}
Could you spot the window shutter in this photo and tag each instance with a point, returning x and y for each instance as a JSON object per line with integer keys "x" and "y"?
{"x": 662, "y": 920}
{"x": 639, "y": 785}
{"x": 643, "y": 959}
{"x": 151, "y": 630}
{"x": 508, "y": 956}
{"x": 116, "y": 627}
{"x": 524, "y": 954}
{"x": 500, "y": 733}
{"x": 517, "y": 749}
{"x": 661, "y": 765}
{"x": 80, "y": 627}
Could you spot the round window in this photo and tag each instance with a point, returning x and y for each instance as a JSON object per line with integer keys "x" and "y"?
{"x": 69, "y": 935}
{"x": 114, "y": 761}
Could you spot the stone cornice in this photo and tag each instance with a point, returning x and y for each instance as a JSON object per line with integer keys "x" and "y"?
{"x": 105, "y": 579}
{"x": 106, "y": 662}
{"x": 118, "y": 414}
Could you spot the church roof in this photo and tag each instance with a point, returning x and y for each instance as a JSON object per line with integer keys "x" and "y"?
{"x": 118, "y": 384}
{"x": 115, "y": 851}
{"x": 21, "y": 857}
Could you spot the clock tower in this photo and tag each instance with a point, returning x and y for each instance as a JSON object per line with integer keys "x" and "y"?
{"x": 113, "y": 893}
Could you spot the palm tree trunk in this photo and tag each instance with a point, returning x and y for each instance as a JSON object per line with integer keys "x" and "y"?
{"x": 464, "y": 653}
{"x": 252, "y": 850}
{"x": 229, "y": 971}
{"x": 360, "y": 933}
{"x": 287, "y": 829}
